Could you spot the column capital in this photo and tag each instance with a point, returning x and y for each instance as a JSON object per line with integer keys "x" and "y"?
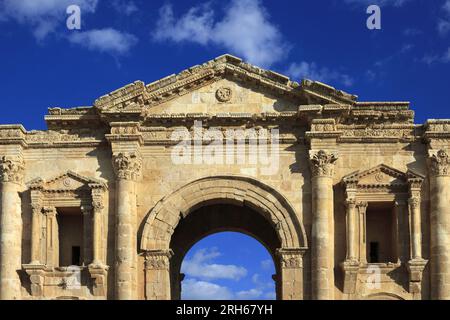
{"x": 127, "y": 165}
{"x": 49, "y": 211}
{"x": 362, "y": 206}
{"x": 158, "y": 259}
{"x": 322, "y": 163}
{"x": 439, "y": 163}
{"x": 11, "y": 169}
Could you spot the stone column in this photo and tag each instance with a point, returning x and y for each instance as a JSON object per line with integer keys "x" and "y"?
{"x": 440, "y": 225}
{"x": 322, "y": 242}
{"x": 96, "y": 233}
{"x": 351, "y": 229}
{"x": 36, "y": 234}
{"x": 52, "y": 258}
{"x": 157, "y": 274}
{"x": 127, "y": 166}
{"x": 362, "y": 208}
{"x": 416, "y": 232}
{"x": 86, "y": 210}
{"x": 291, "y": 271}
{"x": 11, "y": 176}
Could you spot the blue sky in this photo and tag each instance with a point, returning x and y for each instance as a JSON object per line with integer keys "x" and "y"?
{"x": 43, "y": 64}
{"x": 228, "y": 265}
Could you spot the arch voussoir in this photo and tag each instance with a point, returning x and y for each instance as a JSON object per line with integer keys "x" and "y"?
{"x": 164, "y": 217}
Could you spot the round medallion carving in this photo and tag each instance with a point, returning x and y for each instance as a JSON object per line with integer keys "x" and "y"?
{"x": 67, "y": 182}
{"x": 224, "y": 94}
{"x": 379, "y": 177}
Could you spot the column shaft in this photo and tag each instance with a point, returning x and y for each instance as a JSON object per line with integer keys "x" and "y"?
{"x": 11, "y": 169}
{"x": 322, "y": 242}
{"x": 35, "y": 234}
{"x": 440, "y": 225}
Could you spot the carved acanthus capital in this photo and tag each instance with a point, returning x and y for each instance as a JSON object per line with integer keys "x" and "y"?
{"x": 127, "y": 165}
{"x": 158, "y": 259}
{"x": 11, "y": 169}
{"x": 362, "y": 206}
{"x": 439, "y": 163}
{"x": 49, "y": 211}
{"x": 291, "y": 258}
{"x": 322, "y": 163}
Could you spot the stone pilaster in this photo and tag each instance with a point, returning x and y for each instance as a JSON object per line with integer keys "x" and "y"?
{"x": 127, "y": 166}
{"x": 11, "y": 179}
{"x": 439, "y": 169}
{"x": 36, "y": 214}
{"x": 361, "y": 207}
{"x": 291, "y": 271}
{"x": 51, "y": 236}
{"x": 157, "y": 274}
{"x": 322, "y": 251}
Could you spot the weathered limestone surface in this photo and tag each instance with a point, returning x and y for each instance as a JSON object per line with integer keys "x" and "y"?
{"x": 348, "y": 176}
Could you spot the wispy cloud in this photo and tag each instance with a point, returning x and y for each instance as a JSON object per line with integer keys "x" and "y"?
{"x": 104, "y": 40}
{"x": 394, "y": 3}
{"x": 125, "y": 7}
{"x": 201, "y": 266}
{"x": 42, "y": 16}
{"x": 193, "y": 289}
{"x": 443, "y": 24}
{"x": 312, "y": 71}
{"x": 244, "y": 29}
{"x": 267, "y": 264}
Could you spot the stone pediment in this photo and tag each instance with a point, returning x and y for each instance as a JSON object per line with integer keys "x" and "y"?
{"x": 381, "y": 175}
{"x": 224, "y": 80}
{"x": 67, "y": 181}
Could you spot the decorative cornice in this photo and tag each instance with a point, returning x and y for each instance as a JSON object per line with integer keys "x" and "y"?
{"x": 127, "y": 165}
{"x": 11, "y": 169}
{"x": 322, "y": 163}
{"x": 439, "y": 163}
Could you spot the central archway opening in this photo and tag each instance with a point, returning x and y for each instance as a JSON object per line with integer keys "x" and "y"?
{"x": 228, "y": 266}
{"x": 227, "y": 238}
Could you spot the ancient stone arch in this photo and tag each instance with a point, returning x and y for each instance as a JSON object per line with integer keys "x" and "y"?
{"x": 236, "y": 190}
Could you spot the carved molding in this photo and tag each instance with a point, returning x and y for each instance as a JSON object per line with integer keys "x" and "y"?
{"x": 11, "y": 169}
{"x": 127, "y": 165}
{"x": 291, "y": 258}
{"x": 439, "y": 163}
{"x": 322, "y": 163}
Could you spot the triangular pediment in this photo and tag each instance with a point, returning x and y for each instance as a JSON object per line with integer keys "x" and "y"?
{"x": 379, "y": 175}
{"x": 67, "y": 181}
{"x": 226, "y": 82}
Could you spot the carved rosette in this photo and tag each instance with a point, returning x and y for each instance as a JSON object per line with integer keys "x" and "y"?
{"x": 322, "y": 163}
{"x": 158, "y": 260}
{"x": 127, "y": 165}
{"x": 11, "y": 169}
{"x": 439, "y": 163}
{"x": 291, "y": 258}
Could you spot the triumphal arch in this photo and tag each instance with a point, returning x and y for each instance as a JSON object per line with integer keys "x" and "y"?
{"x": 352, "y": 199}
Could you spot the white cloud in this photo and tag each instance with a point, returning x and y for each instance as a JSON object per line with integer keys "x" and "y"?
{"x": 43, "y": 16}
{"x": 200, "y": 266}
{"x": 267, "y": 264}
{"x": 443, "y": 24}
{"x": 312, "y": 71}
{"x": 249, "y": 294}
{"x": 395, "y": 3}
{"x": 104, "y": 40}
{"x": 244, "y": 30}
{"x": 192, "y": 289}
{"x": 125, "y": 7}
